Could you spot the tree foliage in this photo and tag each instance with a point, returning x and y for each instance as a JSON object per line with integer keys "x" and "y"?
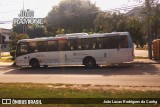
{"x": 16, "y": 37}
{"x": 155, "y": 21}
{"x": 31, "y": 30}
{"x": 83, "y": 16}
{"x": 107, "y": 22}
{"x": 118, "y": 22}
{"x": 72, "y": 16}
{"x": 36, "y": 31}
{"x": 134, "y": 27}
{"x": 18, "y": 28}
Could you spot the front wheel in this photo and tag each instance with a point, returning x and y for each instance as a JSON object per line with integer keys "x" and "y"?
{"x": 90, "y": 63}
{"x": 35, "y": 64}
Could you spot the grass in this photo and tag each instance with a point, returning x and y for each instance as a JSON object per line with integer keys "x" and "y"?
{"x": 6, "y": 57}
{"x": 140, "y": 57}
{"x": 28, "y": 90}
{"x": 141, "y": 48}
{"x": 10, "y": 59}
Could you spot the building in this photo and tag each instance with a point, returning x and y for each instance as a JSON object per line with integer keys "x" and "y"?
{"x": 5, "y": 38}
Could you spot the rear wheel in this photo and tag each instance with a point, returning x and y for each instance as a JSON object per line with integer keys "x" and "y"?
{"x": 34, "y": 63}
{"x": 90, "y": 63}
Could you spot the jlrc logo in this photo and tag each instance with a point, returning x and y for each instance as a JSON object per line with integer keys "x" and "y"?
{"x": 27, "y": 17}
{"x": 26, "y": 13}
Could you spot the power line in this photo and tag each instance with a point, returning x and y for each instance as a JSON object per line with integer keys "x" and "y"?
{"x": 6, "y": 22}
{"x": 126, "y": 8}
{"x": 11, "y": 11}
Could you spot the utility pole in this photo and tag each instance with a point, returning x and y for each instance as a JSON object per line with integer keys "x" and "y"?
{"x": 148, "y": 26}
{"x": 24, "y": 26}
{"x": 0, "y": 50}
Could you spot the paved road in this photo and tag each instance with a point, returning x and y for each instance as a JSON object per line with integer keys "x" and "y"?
{"x": 124, "y": 75}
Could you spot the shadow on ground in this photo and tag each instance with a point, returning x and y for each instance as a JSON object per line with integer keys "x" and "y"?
{"x": 124, "y": 69}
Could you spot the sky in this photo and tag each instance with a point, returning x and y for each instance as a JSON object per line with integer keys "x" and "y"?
{"x": 10, "y": 9}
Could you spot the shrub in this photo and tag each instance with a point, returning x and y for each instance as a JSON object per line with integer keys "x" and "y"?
{"x": 12, "y": 53}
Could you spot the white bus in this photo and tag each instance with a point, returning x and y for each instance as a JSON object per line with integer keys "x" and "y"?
{"x": 75, "y": 49}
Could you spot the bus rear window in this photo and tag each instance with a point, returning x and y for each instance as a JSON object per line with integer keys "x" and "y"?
{"x": 123, "y": 42}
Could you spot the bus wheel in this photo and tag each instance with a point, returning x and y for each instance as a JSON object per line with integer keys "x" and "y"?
{"x": 45, "y": 66}
{"x": 90, "y": 63}
{"x": 34, "y": 63}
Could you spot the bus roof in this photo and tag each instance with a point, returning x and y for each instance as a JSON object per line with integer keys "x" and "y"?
{"x": 74, "y": 36}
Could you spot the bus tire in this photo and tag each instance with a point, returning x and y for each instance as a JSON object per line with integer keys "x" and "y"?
{"x": 89, "y": 62}
{"x": 45, "y": 66}
{"x": 34, "y": 63}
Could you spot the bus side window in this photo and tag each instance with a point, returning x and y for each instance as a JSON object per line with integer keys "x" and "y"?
{"x": 79, "y": 44}
{"x": 42, "y": 46}
{"x": 62, "y": 45}
{"x": 93, "y": 43}
{"x": 85, "y": 44}
{"x": 112, "y": 42}
{"x": 89, "y": 43}
{"x": 32, "y": 47}
{"x": 71, "y": 44}
{"x": 100, "y": 43}
{"x": 52, "y": 46}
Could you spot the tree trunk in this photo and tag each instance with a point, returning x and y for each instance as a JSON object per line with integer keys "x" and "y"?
{"x": 148, "y": 8}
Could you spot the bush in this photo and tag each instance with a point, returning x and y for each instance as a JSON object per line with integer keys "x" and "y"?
{"x": 13, "y": 53}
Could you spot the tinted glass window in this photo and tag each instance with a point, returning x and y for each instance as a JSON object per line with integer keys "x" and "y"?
{"x": 89, "y": 43}
{"x": 42, "y": 46}
{"x": 62, "y": 45}
{"x": 79, "y": 44}
{"x": 101, "y": 43}
{"x": 123, "y": 42}
{"x": 72, "y": 44}
{"x": 39, "y": 46}
{"x": 22, "y": 49}
{"x": 112, "y": 42}
{"x": 32, "y": 47}
{"x": 52, "y": 46}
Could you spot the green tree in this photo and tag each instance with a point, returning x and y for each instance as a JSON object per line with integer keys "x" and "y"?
{"x": 18, "y": 28}
{"x": 155, "y": 22}
{"x": 107, "y": 22}
{"x": 36, "y": 31}
{"x": 72, "y": 16}
{"x": 118, "y": 22}
{"x": 134, "y": 27}
{"x": 31, "y": 30}
{"x": 16, "y": 37}
{"x": 149, "y": 23}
